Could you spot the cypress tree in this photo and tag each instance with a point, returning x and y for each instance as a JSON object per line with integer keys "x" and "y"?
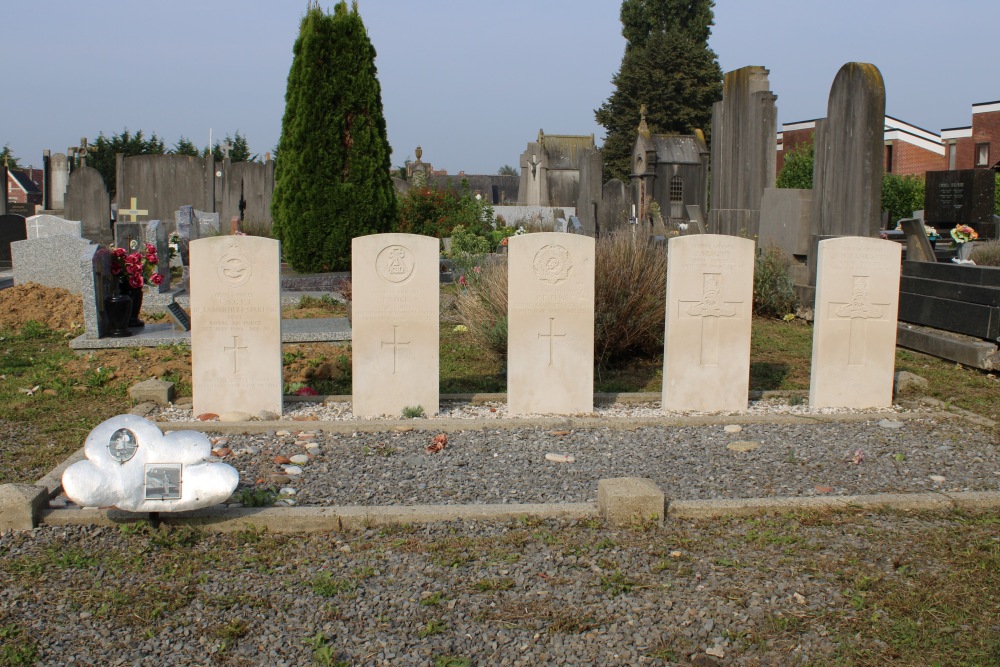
{"x": 668, "y": 67}
{"x": 332, "y": 182}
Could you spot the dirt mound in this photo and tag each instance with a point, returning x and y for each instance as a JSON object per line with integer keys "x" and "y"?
{"x": 54, "y": 307}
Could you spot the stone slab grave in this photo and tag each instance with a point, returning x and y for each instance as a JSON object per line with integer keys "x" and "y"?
{"x": 96, "y": 282}
{"x": 236, "y": 325}
{"x": 11, "y": 229}
{"x": 706, "y": 359}
{"x": 854, "y": 331}
{"x": 130, "y": 464}
{"x": 550, "y": 324}
{"x": 44, "y": 225}
{"x": 918, "y": 246}
{"x": 395, "y": 322}
{"x": 53, "y": 261}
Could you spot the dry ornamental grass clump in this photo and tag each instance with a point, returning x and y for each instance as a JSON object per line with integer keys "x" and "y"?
{"x": 986, "y": 254}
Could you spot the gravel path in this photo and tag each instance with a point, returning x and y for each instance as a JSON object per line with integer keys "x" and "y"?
{"x": 532, "y": 465}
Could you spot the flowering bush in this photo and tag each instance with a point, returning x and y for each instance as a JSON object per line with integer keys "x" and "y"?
{"x": 963, "y": 233}
{"x": 137, "y": 267}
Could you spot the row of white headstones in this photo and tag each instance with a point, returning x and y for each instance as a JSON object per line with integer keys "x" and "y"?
{"x": 236, "y": 324}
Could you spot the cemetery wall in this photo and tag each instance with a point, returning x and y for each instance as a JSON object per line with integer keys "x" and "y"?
{"x": 254, "y": 182}
{"x": 161, "y": 184}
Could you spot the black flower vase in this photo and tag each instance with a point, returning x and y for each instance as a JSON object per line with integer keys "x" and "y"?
{"x": 118, "y": 309}
{"x": 136, "y": 295}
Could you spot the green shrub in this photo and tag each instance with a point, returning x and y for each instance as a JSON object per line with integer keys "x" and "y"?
{"x": 437, "y": 213}
{"x": 901, "y": 196}
{"x": 464, "y": 241}
{"x": 773, "y": 290}
{"x": 629, "y": 300}
{"x": 797, "y": 170}
{"x": 986, "y": 253}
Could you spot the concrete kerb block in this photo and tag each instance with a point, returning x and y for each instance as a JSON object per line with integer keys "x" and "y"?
{"x": 21, "y": 506}
{"x": 154, "y": 390}
{"x": 625, "y": 501}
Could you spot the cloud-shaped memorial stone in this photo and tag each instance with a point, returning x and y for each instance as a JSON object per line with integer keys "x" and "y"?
{"x": 133, "y": 466}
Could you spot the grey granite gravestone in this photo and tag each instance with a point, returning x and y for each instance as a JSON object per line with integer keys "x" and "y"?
{"x": 53, "y": 261}
{"x": 11, "y": 229}
{"x": 560, "y": 225}
{"x": 575, "y": 226}
{"x": 130, "y": 235}
{"x": 43, "y": 225}
{"x": 208, "y": 223}
{"x": 695, "y": 216}
{"x": 87, "y": 200}
{"x": 156, "y": 233}
{"x": 918, "y": 247}
{"x": 744, "y": 144}
{"x": 96, "y": 282}
{"x": 784, "y": 221}
{"x": 847, "y": 177}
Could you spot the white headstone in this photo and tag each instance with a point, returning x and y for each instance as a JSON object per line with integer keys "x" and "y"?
{"x": 706, "y": 356}
{"x": 45, "y": 225}
{"x": 236, "y": 325}
{"x": 550, "y": 324}
{"x": 854, "y": 331}
{"x": 395, "y": 322}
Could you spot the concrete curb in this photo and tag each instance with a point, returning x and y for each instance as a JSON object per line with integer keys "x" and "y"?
{"x": 563, "y": 423}
{"x": 356, "y": 518}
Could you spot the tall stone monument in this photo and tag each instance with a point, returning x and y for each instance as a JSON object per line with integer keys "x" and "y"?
{"x": 395, "y": 322}
{"x": 236, "y": 325}
{"x": 706, "y": 358}
{"x": 550, "y": 324}
{"x": 744, "y": 144}
{"x": 854, "y": 333}
{"x": 847, "y": 172}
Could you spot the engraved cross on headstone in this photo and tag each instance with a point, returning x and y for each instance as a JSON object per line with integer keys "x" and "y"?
{"x": 858, "y": 310}
{"x": 395, "y": 345}
{"x": 35, "y": 226}
{"x": 709, "y": 310}
{"x": 133, "y": 212}
{"x": 550, "y": 335}
{"x": 235, "y": 349}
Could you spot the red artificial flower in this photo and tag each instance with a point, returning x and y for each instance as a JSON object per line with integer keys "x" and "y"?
{"x": 135, "y": 282}
{"x": 307, "y": 391}
{"x": 462, "y": 281}
{"x": 156, "y": 279}
{"x": 115, "y": 268}
{"x": 119, "y": 252}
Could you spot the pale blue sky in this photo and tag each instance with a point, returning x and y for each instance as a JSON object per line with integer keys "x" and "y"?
{"x": 471, "y": 82}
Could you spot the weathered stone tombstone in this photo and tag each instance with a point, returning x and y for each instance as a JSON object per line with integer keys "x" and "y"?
{"x": 744, "y": 130}
{"x": 395, "y": 324}
{"x": 550, "y": 324}
{"x": 236, "y": 325}
{"x": 695, "y": 216}
{"x": 87, "y": 200}
{"x": 130, "y": 464}
{"x": 918, "y": 246}
{"x": 706, "y": 359}
{"x": 44, "y": 225}
{"x": 854, "y": 331}
{"x": 53, "y": 261}
{"x": 208, "y": 223}
{"x": 847, "y": 176}
{"x": 11, "y": 229}
{"x": 130, "y": 235}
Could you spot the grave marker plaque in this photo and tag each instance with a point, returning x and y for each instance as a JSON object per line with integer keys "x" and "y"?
{"x": 960, "y": 197}
{"x": 550, "y": 324}
{"x": 706, "y": 360}
{"x": 236, "y": 347}
{"x": 854, "y": 331}
{"x": 394, "y": 324}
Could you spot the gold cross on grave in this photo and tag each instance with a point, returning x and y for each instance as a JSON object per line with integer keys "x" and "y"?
{"x": 860, "y": 309}
{"x": 395, "y": 345}
{"x": 550, "y": 335}
{"x": 235, "y": 349}
{"x": 133, "y": 212}
{"x": 710, "y": 310}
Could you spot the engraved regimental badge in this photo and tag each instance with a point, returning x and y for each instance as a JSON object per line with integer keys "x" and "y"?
{"x": 233, "y": 268}
{"x": 552, "y": 264}
{"x": 394, "y": 263}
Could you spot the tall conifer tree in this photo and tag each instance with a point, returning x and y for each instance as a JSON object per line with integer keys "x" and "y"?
{"x": 668, "y": 67}
{"x": 332, "y": 182}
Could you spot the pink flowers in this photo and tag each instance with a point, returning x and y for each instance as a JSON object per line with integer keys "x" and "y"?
{"x": 137, "y": 266}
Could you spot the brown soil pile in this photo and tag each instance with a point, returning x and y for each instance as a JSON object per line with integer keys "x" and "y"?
{"x": 54, "y": 307}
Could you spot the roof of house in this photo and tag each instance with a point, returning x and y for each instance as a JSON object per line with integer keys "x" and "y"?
{"x": 23, "y": 179}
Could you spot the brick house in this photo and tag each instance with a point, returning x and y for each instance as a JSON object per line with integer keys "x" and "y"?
{"x": 24, "y": 186}
{"x": 975, "y": 146}
{"x": 909, "y": 150}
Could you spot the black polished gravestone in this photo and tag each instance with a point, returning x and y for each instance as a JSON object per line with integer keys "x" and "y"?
{"x": 12, "y": 228}
{"x": 961, "y": 197}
